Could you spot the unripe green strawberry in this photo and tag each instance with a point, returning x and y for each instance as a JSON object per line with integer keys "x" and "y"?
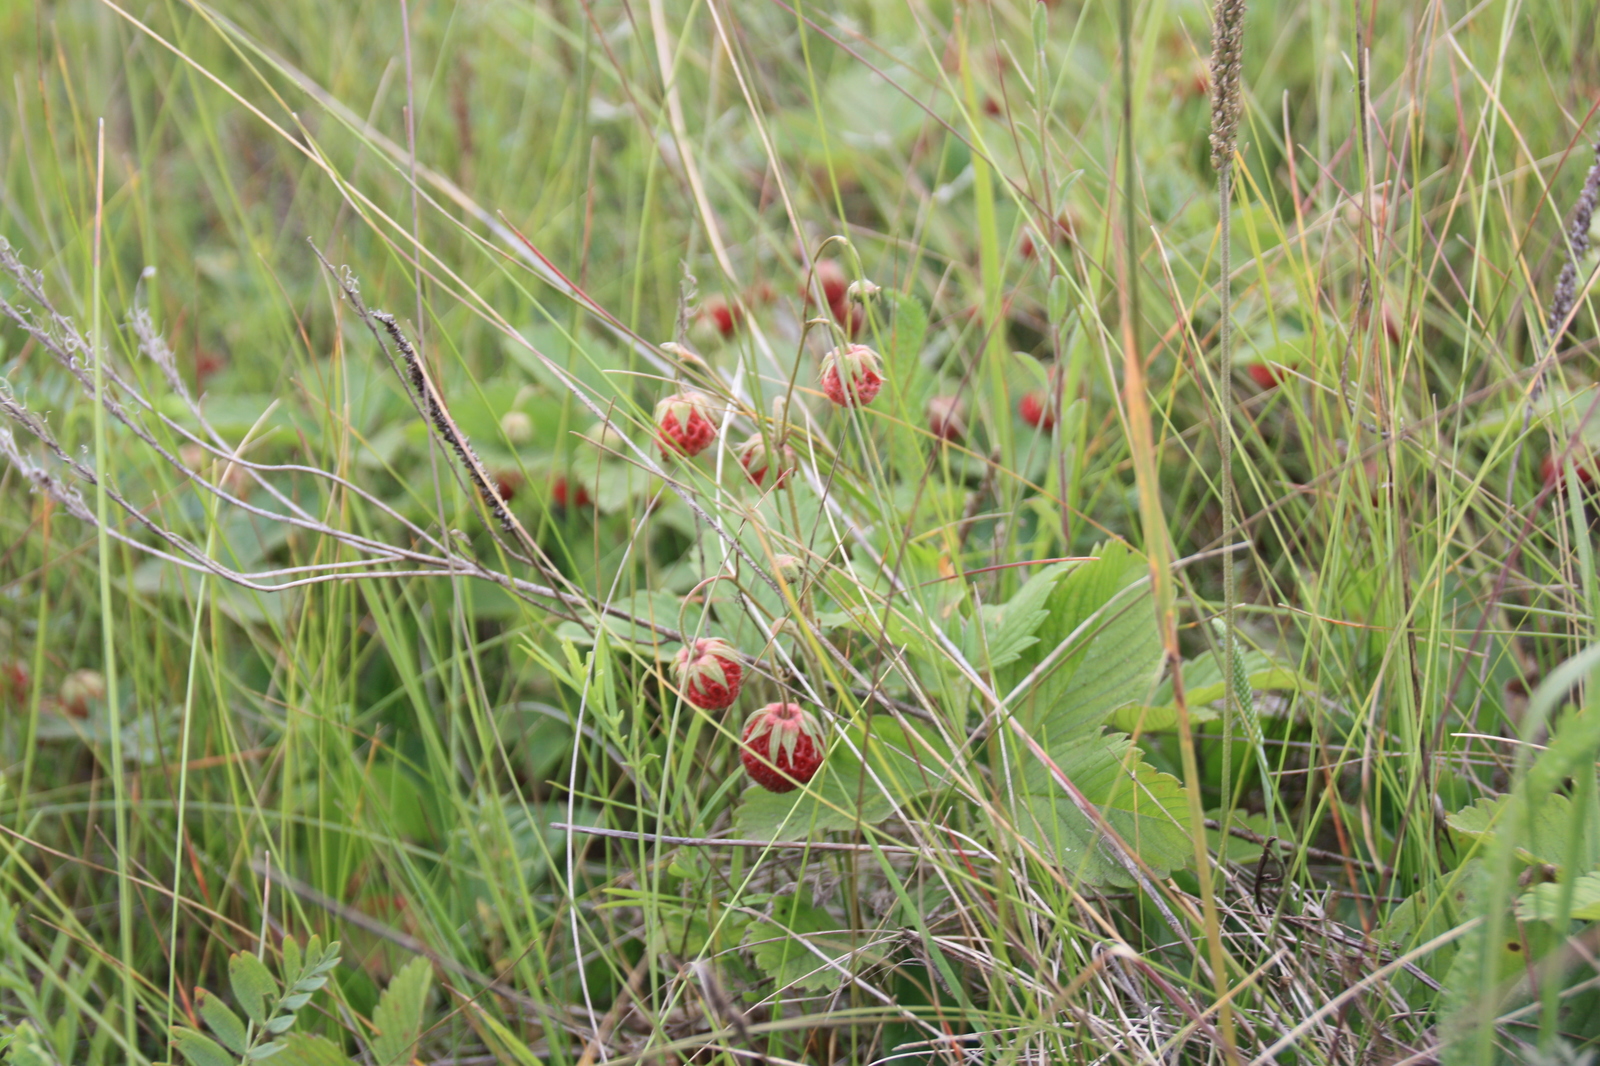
{"x": 517, "y": 427}
{"x": 708, "y": 673}
{"x": 757, "y": 460}
{"x": 852, "y": 375}
{"x": 781, "y": 747}
{"x": 79, "y": 689}
{"x": 789, "y": 566}
{"x": 683, "y": 424}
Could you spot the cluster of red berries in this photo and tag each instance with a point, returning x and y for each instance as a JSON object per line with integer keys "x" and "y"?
{"x": 781, "y": 745}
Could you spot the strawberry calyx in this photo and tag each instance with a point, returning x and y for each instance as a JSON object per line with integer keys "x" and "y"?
{"x": 852, "y": 375}
{"x": 756, "y": 458}
{"x": 684, "y": 423}
{"x": 782, "y": 746}
{"x": 709, "y": 673}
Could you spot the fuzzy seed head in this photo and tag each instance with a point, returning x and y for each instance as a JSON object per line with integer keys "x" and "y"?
{"x": 781, "y": 747}
{"x": 789, "y": 566}
{"x": 1227, "y": 61}
{"x": 708, "y": 673}
{"x": 852, "y": 375}
{"x": 1583, "y": 215}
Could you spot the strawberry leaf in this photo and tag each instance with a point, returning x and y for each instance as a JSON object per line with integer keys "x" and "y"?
{"x": 399, "y": 1015}
{"x": 1146, "y": 808}
{"x": 805, "y": 948}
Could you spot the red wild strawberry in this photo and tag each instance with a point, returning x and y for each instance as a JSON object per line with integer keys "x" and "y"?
{"x": 506, "y": 483}
{"x": 1264, "y": 374}
{"x": 683, "y": 424}
{"x": 945, "y": 417}
{"x": 1037, "y": 411}
{"x": 852, "y": 375}
{"x": 756, "y": 458}
{"x": 15, "y": 684}
{"x": 708, "y": 673}
{"x": 1065, "y": 233}
{"x": 1551, "y": 470}
{"x": 563, "y": 492}
{"x": 723, "y": 316}
{"x": 781, "y": 747}
{"x": 830, "y": 278}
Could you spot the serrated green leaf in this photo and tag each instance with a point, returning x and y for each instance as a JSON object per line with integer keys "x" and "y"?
{"x": 907, "y": 334}
{"x": 1147, "y": 809}
{"x": 1541, "y": 839}
{"x": 222, "y": 1021}
{"x": 399, "y": 1014}
{"x": 1115, "y": 655}
{"x": 26, "y": 1046}
{"x": 1007, "y": 630}
{"x": 780, "y": 948}
{"x": 902, "y": 768}
{"x": 303, "y": 1049}
{"x": 200, "y": 1049}
{"x": 253, "y": 986}
{"x": 1543, "y": 902}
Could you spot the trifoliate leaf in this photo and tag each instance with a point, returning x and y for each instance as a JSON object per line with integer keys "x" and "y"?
{"x": 1114, "y": 655}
